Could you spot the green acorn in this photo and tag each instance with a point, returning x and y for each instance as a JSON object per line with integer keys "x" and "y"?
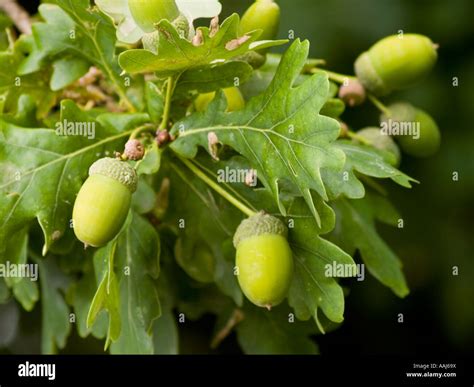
{"x": 264, "y": 15}
{"x": 423, "y": 140}
{"x": 264, "y": 259}
{"x": 103, "y": 201}
{"x": 395, "y": 62}
{"x": 147, "y": 13}
{"x": 382, "y": 142}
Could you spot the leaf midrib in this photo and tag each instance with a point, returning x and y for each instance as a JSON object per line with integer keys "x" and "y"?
{"x": 70, "y": 155}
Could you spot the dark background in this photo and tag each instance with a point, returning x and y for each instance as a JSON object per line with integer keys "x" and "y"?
{"x": 438, "y": 213}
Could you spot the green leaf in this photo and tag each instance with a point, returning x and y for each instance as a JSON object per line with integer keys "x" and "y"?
{"x": 334, "y": 107}
{"x": 219, "y": 76}
{"x": 107, "y": 295}
{"x": 137, "y": 265}
{"x": 144, "y": 199}
{"x": 177, "y": 54}
{"x": 75, "y": 28}
{"x": 119, "y": 11}
{"x": 210, "y": 221}
{"x": 55, "y": 325}
{"x": 151, "y": 162}
{"x": 31, "y": 157}
{"x": 25, "y": 112}
{"x": 263, "y": 77}
{"x": 125, "y": 271}
{"x": 165, "y": 334}
{"x": 356, "y": 230}
{"x": 361, "y": 159}
{"x": 274, "y": 333}
{"x": 80, "y": 296}
{"x": 154, "y": 102}
{"x": 165, "y": 330}
{"x": 4, "y": 292}
{"x": 280, "y": 132}
{"x": 66, "y": 71}
{"x": 9, "y": 323}
{"x": 24, "y": 289}
{"x": 311, "y": 290}
{"x": 5, "y": 23}
{"x": 13, "y": 85}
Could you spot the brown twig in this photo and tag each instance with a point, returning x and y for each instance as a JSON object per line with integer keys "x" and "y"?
{"x": 17, "y": 14}
{"x": 236, "y": 317}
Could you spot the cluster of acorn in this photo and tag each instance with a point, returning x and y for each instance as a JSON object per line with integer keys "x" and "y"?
{"x": 264, "y": 260}
{"x": 395, "y": 63}
{"x": 263, "y": 256}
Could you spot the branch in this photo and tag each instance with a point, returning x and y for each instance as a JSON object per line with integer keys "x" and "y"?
{"x": 236, "y": 317}
{"x": 17, "y": 14}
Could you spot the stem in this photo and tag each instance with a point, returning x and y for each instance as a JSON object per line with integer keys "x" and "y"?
{"x": 17, "y": 14}
{"x": 228, "y": 186}
{"x": 216, "y": 187}
{"x": 355, "y": 136}
{"x": 236, "y": 317}
{"x": 336, "y": 77}
{"x": 144, "y": 128}
{"x": 379, "y": 105}
{"x": 170, "y": 85}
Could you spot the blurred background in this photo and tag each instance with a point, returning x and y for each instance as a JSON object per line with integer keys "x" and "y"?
{"x": 438, "y": 213}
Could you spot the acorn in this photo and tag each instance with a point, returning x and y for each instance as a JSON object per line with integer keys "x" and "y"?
{"x": 382, "y": 142}
{"x": 395, "y": 62}
{"x": 352, "y": 93}
{"x": 264, "y": 259}
{"x": 235, "y": 100}
{"x": 147, "y": 13}
{"x": 415, "y": 130}
{"x": 103, "y": 202}
{"x": 264, "y": 15}
{"x": 134, "y": 150}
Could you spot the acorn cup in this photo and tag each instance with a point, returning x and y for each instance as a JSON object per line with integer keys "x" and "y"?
{"x": 103, "y": 202}
{"x": 424, "y": 138}
{"x": 395, "y": 63}
{"x": 264, "y": 259}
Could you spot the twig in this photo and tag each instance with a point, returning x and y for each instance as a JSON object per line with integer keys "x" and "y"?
{"x": 215, "y": 186}
{"x": 17, "y": 14}
{"x": 236, "y": 317}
